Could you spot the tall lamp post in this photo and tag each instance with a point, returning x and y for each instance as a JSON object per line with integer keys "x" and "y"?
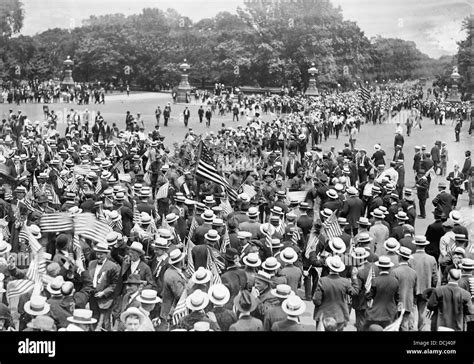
{"x": 312, "y": 88}
{"x": 68, "y": 81}
{"x": 454, "y": 94}
{"x": 184, "y": 88}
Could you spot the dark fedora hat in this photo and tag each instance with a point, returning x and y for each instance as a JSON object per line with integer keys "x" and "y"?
{"x": 245, "y": 301}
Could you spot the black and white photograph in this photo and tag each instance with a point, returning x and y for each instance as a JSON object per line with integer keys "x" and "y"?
{"x": 192, "y": 169}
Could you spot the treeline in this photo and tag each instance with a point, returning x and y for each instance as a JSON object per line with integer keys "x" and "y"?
{"x": 263, "y": 44}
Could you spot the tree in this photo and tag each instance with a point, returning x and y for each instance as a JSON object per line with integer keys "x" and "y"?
{"x": 11, "y": 17}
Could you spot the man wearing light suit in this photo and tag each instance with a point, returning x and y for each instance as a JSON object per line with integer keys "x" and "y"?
{"x": 105, "y": 276}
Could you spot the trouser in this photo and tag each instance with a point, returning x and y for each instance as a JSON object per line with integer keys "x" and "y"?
{"x": 421, "y": 307}
{"x": 235, "y": 116}
{"x": 422, "y": 203}
{"x": 200, "y": 119}
{"x": 186, "y": 121}
{"x": 360, "y": 319}
{"x": 408, "y": 322}
{"x": 408, "y": 130}
{"x": 166, "y": 120}
{"x": 98, "y": 312}
{"x": 457, "y": 135}
{"x": 310, "y": 283}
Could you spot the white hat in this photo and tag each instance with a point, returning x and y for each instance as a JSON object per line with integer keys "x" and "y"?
{"x": 252, "y": 260}
{"x": 219, "y": 294}
{"x": 335, "y": 263}
{"x": 337, "y": 245}
{"x": 201, "y": 276}
{"x": 384, "y": 262}
{"x": 288, "y": 255}
{"x": 148, "y": 296}
{"x": 282, "y": 291}
{"x": 176, "y": 256}
{"x": 293, "y": 306}
{"x": 198, "y": 300}
{"x": 82, "y": 316}
{"x": 132, "y": 311}
{"x": 37, "y": 306}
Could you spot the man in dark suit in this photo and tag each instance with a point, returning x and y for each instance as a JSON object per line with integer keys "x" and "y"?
{"x": 294, "y": 307}
{"x": 422, "y": 187}
{"x": 406, "y": 277}
{"x": 443, "y": 202}
{"x": 452, "y": 303}
{"x": 353, "y": 209}
{"x": 435, "y": 155}
{"x": 292, "y": 166}
{"x": 105, "y": 277}
{"x": 416, "y": 160}
{"x": 384, "y": 292}
{"x": 456, "y": 179}
{"x": 466, "y": 169}
{"x": 398, "y": 153}
{"x": 133, "y": 264}
{"x": 434, "y": 233}
{"x": 234, "y": 278}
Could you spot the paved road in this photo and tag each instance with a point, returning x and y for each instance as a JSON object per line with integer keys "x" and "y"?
{"x": 116, "y": 106}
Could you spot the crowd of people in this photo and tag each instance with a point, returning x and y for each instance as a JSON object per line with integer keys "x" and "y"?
{"x": 108, "y": 229}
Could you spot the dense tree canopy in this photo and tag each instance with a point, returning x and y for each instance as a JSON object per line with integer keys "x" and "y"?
{"x": 264, "y": 44}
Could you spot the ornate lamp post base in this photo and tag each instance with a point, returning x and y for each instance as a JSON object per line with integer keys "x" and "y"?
{"x": 184, "y": 88}
{"x": 312, "y": 89}
{"x": 454, "y": 94}
{"x": 68, "y": 81}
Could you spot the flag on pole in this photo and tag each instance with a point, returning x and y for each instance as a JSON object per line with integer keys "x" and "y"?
{"x": 331, "y": 226}
{"x": 163, "y": 191}
{"x": 56, "y": 222}
{"x": 26, "y": 235}
{"x": 206, "y": 168}
{"x": 180, "y": 310}
{"x": 395, "y": 326}
{"x": 226, "y": 207}
{"x": 311, "y": 245}
{"x": 370, "y": 276}
{"x": 225, "y": 241}
{"x": 36, "y": 188}
{"x": 363, "y": 93}
{"x": 181, "y": 180}
{"x": 187, "y": 250}
{"x": 249, "y": 190}
{"x": 136, "y": 213}
{"x": 212, "y": 266}
{"x": 192, "y": 228}
{"x": 89, "y": 227}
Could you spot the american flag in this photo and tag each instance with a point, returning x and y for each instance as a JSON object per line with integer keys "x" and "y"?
{"x": 136, "y": 213}
{"x": 295, "y": 237}
{"x": 34, "y": 278}
{"x": 249, "y": 190}
{"x": 89, "y": 227}
{"x": 55, "y": 222}
{"x": 181, "y": 180}
{"x": 212, "y": 265}
{"x": 180, "y": 310}
{"x": 78, "y": 250}
{"x": 98, "y": 187}
{"x": 187, "y": 250}
{"x": 206, "y": 168}
{"x": 311, "y": 245}
{"x": 395, "y": 326}
{"x": 26, "y": 235}
{"x": 370, "y": 276}
{"x": 226, "y": 207}
{"x": 225, "y": 241}
{"x": 363, "y": 93}
{"x": 163, "y": 191}
{"x": 192, "y": 228}
{"x": 36, "y": 185}
{"x": 331, "y": 226}
{"x": 281, "y": 228}
{"x": 73, "y": 186}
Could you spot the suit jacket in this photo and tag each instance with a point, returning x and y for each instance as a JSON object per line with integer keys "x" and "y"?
{"x": 406, "y": 277}
{"x": 158, "y": 274}
{"x": 252, "y": 227}
{"x": 235, "y": 279}
{"x": 352, "y": 210}
{"x": 384, "y": 292}
{"x": 225, "y": 317}
{"x": 435, "y": 154}
{"x": 107, "y": 280}
{"x": 444, "y": 202}
{"x": 466, "y": 167}
{"x": 426, "y": 270}
{"x": 293, "y": 276}
{"x": 288, "y": 165}
{"x": 143, "y": 270}
{"x": 305, "y": 222}
{"x": 247, "y": 323}
{"x": 173, "y": 285}
{"x": 434, "y": 233}
{"x": 274, "y": 314}
{"x": 452, "y": 304}
{"x": 330, "y": 297}
{"x": 359, "y": 301}
{"x": 287, "y": 325}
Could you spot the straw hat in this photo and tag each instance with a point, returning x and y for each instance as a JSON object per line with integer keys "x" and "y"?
{"x": 37, "y": 306}
{"x": 335, "y": 263}
{"x": 282, "y": 291}
{"x": 201, "y": 276}
{"x": 293, "y": 306}
{"x": 391, "y": 245}
{"x": 138, "y": 247}
{"x": 271, "y": 263}
{"x": 384, "y": 262}
{"x": 212, "y": 235}
{"x": 359, "y": 253}
{"x": 82, "y": 316}
{"x": 219, "y": 294}
{"x": 198, "y": 300}
{"x": 176, "y": 256}
{"x": 288, "y": 255}
{"x": 252, "y": 260}
{"x": 148, "y": 296}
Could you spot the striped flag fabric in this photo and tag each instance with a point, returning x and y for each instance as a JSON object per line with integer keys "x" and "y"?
{"x": 181, "y": 180}
{"x": 395, "y": 326}
{"x": 163, "y": 191}
{"x": 26, "y": 235}
{"x": 192, "y": 228}
{"x": 213, "y": 267}
{"x": 76, "y": 246}
{"x": 34, "y": 277}
{"x": 295, "y": 237}
{"x": 331, "y": 226}
{"x": 55, "y": 222}
{"x": 225, "y": 241}
{"x": 180, "y": 310}
{"x": 190, "y": 263}
{"x": 368, "y": 282}
{"x": 89, "y": 227}
{"x": 363, "y": 93}
{"x": 136, "y": 213}
{"x": 226, "y": 207}
{"x": 98, "y": 187}
{"x": 206, "y": 168}
{"x": 82, "y": 169}
{"x": 249, "y": 190}
{"x": 311, "y": 245}
{"x": 281, "y": 228}
{"x": 216, "y": 259}
{"x": 4, "y": 169}
{"x": 36, "y": 184}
